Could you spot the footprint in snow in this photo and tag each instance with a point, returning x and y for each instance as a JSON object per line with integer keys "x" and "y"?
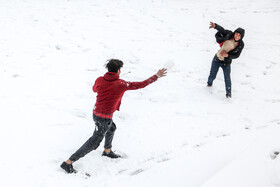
{"x": 274, "y": 153}
{"x": 136, "y": 172}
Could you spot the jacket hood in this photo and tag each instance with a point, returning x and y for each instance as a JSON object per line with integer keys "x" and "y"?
{"x": 241, "y": 32}
{"x": 111, "y": 76}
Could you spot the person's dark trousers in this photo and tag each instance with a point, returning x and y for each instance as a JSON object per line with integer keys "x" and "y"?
{"x": 216, "y": 64}
{"x": 103, "y": 128}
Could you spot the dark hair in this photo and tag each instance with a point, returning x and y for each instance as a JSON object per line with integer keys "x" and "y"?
{"x": 114, "y": 65}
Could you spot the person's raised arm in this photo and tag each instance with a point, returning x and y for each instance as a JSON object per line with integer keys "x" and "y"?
{"x": 216, "y": 26}
{"x": 143, "y": 84}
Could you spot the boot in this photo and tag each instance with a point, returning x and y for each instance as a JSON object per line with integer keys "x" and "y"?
{"x": 111, "y": 154}
{"x": 68, "y": 167}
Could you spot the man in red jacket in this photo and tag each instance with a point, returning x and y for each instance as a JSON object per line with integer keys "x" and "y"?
{"x": 110, "y": 89}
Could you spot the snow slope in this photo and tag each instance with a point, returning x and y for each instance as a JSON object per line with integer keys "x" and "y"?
{"x": 175, "y": 132}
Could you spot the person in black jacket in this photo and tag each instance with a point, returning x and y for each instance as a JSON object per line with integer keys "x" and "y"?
{"x": 231, "y": 44}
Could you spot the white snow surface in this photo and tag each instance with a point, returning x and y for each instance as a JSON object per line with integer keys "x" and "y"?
{"x": 176, "y": 132}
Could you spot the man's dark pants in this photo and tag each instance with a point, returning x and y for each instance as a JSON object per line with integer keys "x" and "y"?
{"x": 103, "y": 128}
{"x": 216, "y": 64}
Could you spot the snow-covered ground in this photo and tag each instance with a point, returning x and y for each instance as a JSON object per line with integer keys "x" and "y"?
{"x": 175, "y": 132}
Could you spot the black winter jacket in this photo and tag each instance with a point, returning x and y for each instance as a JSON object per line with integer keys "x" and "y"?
{"x": 223, "y": 35}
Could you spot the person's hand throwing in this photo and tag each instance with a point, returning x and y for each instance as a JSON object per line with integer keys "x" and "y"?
{"x": 161, "y": 73}
{"x": 212, "y": 25}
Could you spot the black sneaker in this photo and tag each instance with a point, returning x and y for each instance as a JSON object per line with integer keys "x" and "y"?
{"x": 111, "y": 154}
{"x": 68, "y": 167}
{"x": 209, "y": 85}
{"x": 228, "y": 95}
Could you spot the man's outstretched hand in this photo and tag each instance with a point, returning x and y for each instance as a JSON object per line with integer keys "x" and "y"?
{"x": 212, "y": 25}
{"x": 162, "y": 72}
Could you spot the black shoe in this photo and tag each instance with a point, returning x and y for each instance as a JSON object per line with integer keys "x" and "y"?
{"x": 228, "y": 95}
{"x": 68, "y": 167}
{"x": 111, "y": 154}
{"x": 209, "y": 85}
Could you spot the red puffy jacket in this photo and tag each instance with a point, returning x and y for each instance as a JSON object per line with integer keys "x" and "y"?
{"x": 110, "y": 90}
